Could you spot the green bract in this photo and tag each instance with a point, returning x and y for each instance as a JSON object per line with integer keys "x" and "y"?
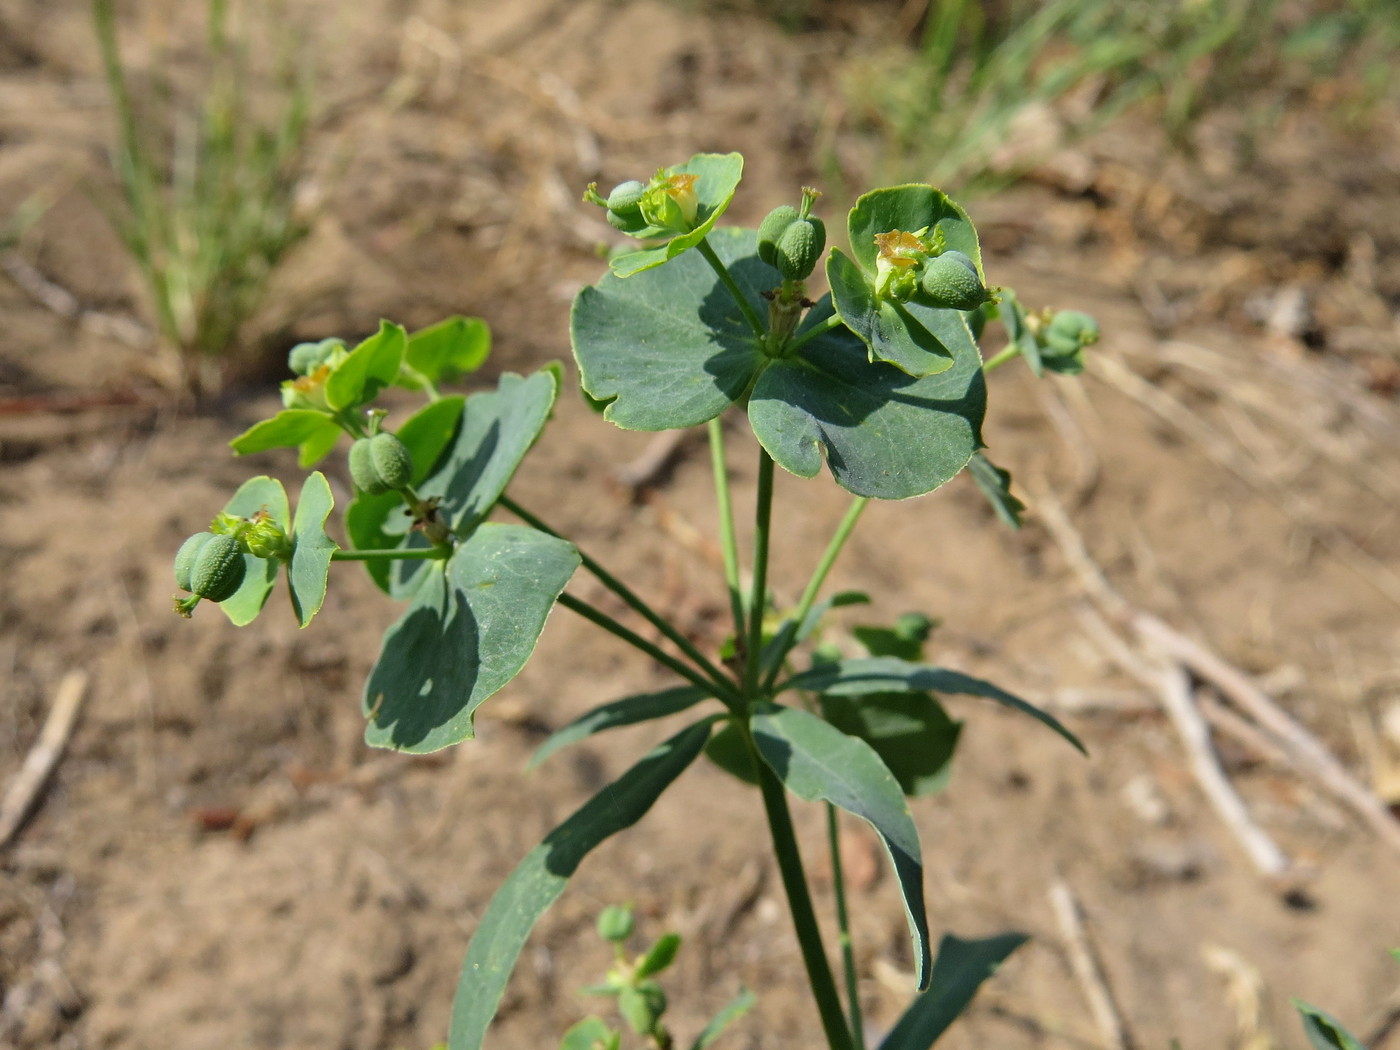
{"x": 881, "y": 431}
{"x": 681, "y": 210}
{"x": 893, "y": 233}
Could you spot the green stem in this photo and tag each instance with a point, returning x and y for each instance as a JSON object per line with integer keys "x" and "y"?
{"x": 722, "y": 690}
{"x": 728, "y": 543}
{"x": 635, "y": 602}
{"x": 820, "y": 328}
{"x": 722, "y": 272}
{"x": 417, "y": 554}
{"x": 1009, "y": 354}
{"x": 758, "y": 598}
{"x": 814, "y": 586}
{"x": 843, "y": 924}
{"x": 804, "y": 918}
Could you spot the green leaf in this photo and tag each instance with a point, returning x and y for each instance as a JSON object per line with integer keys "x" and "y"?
{"x": 287, "y": 429}
{"x": 628, "y": 711}
{"x": 1323, "y": 1030}
{"x": 905, "y": 639}
{"x": 737, "y": 1008}
{"x": 961, "y": 968}
{"x": 469, "y": 630}
{"x": 311, "y": 554}
{"x": 370, "y": 524}
{"x": 896, "y": 333}
{"x": 888, "y": 675}
{"x": 719, "y": 178}
{"x": 728, "y": 750}
{"x": 318, "y": 445}
{"x": 818, "y": 762}
{"x": 449, "y": 349}
{"x": 429, "y": 431}
{"x": 1018, "y": 333}
{"x": 497, "y": 429}
{"x": 589, "y": 1034}
{"x": 659, "y": 956}
{"x": 910, "y": 732}
{"x": 669, "y": 348}
{"x": 909, "y": 208}
{"x": 995, "y": 484}
{"x": 539, "y": 879}
{"x": 883, "y": 433}
{"x": 256, "y": 494}
{"x": 371, "y": 366}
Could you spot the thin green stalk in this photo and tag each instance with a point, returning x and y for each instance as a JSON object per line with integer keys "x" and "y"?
{"x": 843, "y": 924}
{"x": 417, "y": 554}
{"x": 814, "y": 586}
{"x": 723, "y": 691}
{"x": 722, "y": 271}
{"x": 804, "y": 918}
{"x": 729, "y": 545}
{"x": 758, "y": 599}
{"x": 834, "y": 321}
{"x": 633, "y": 600}
{"x": 1009, "y": 354}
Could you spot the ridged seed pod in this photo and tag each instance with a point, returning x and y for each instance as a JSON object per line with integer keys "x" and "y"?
{"x": 771, "y": 228}
{"x": 950, "y": 281}
{"x": 210, "y": 566}
{"x": 798, "y": 248}
{"x": 380, "y": 463}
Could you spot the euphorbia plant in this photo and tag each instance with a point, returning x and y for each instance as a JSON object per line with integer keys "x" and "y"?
{"x": 881, "y": 379}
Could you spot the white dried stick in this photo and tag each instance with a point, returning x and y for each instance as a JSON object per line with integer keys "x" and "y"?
{"x": 24, "y": 789}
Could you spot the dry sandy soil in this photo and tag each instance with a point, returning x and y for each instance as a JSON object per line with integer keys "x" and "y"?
{"x": 1229, "y": 461}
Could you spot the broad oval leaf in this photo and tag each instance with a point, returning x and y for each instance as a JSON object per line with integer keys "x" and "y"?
{"x": 883, "y": 433}
{"x": 719, "y": 175}
{"x": 885, "y": 674}
{"x": 539, "y": 879}
{"x": 471, "y": 626}
{"x": 818, "y": 762}
{"x": 266, "y": 494}
{"x": 318, "y": 445}
{"x": 669, "y": 348}
{"x": 312, "y": 548}
{"x": 371, "y": 366}
{"x": 449, "y": 349}
{"x": 287, "y": 429}
{"x": 497, "y": 429}
{"x": 959, "y": 971}
{"x": 630, "y": 710}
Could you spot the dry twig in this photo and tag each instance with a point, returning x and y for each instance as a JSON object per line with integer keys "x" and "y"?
{"x": 43, "y": 756}
{"x": 1086, "y": 967}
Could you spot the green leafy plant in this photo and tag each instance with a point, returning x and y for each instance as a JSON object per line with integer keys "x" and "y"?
{"x": 882, "y": 380}
{"x": 209, "y": 190}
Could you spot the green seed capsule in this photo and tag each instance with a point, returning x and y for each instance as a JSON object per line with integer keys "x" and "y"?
{"x": 626, "y": 197}
{"x": 305, "y": 358}
{"x": 615, "y": 923}
{"x": 380, "y": 463}
{"x": 950, "y": 281}
{"x": 217, "y": 570}
{"x": 771, "y": 228}
{"x": 185, "y": 558}
{"x": 798, "y": 248}
{"x": 1071, "y": 330}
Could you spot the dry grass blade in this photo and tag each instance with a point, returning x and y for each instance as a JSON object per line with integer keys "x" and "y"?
{"x": 43, "y": 757}
{"x": 1087, "y": 969}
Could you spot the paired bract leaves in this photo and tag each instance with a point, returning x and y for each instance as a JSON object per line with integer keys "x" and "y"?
{"x": 309, "y": 566}
{"x": 718, "y": 176}
{"x": 912, "y": 337}
{"x": 670, "y": 348}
